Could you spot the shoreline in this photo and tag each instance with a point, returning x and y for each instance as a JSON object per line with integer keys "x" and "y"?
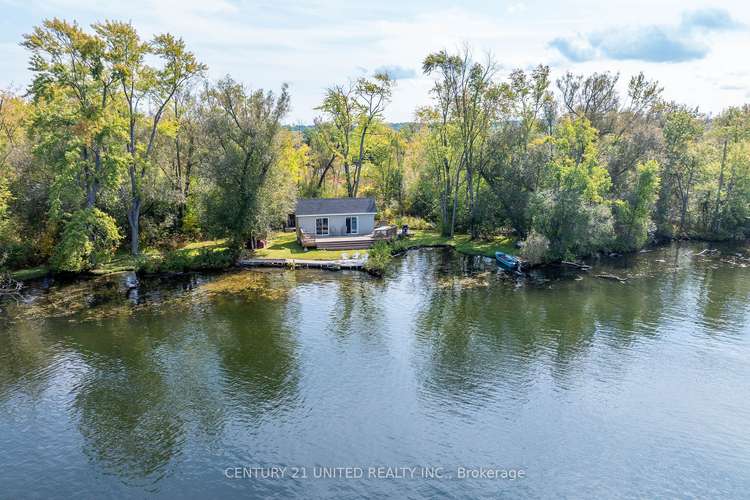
{"x": 585, "y": 264}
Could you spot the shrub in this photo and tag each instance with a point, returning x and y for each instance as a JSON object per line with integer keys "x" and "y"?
{"x": 208, "y": 258}
{"x": 378, "y": 258}
{"x": 204, "y": 259}
{"x": 535, "y": 248}
{"x": 148, "y": 264}
{"x": 191, "y": 221}
{"x": 19, "y": 254}
{"x": 415, "y": 223}
{"x": 398, "y": 246}
{"x": 88, "y": 239}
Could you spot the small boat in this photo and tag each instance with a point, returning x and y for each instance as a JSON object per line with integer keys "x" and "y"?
{"x": 507, "y": 261}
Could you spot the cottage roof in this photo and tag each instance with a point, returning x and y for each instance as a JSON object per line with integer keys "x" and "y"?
{"x": 335, "y": 206}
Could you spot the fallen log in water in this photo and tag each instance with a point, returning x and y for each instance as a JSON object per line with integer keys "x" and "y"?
{"x": 10, "y": 287}
{"x": 611, "y": 277}
{"x": 708, "y": 251}
{"x": 582, "y": 267}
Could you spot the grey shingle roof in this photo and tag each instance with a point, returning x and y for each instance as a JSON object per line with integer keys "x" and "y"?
{"x": 331, "y": 206}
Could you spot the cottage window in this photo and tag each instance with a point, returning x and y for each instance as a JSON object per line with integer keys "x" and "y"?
{"x": 321, "y": 226}
{"x": 352, "y": 225}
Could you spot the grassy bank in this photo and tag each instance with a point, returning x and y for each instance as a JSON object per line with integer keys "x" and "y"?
{"x": 214, "y": 254}
{"x": 30, "y": 273}
{"x": 199, "y": 255}
{"x": 285, "y": 246}
{"x": 461, "y": 242}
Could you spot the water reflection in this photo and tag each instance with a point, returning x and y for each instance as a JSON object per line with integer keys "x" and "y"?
{"x": 25, "y": 361}
{"x": 153, "y": 393}
{"x": 257, "y": 356}
{"x": 122, "y": 404}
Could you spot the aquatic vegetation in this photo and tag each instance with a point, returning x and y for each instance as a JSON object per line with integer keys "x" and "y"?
{"x": 247, "y": 284}
{"x": 109, "y": 296}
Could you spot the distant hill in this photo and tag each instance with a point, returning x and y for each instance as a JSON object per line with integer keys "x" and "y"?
{"x": 304, "y": 128}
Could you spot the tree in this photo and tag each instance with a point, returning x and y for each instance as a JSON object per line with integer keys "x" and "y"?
{"x": 352, "y": 110}
{"x": 519, "y": 149}
{"x": 11, "y": 137}
{"x": 681, "y": 129}
{"x": 731, "y": 128}
{"x": 140, "y": 82}
{"x": 338, "y": 105}
{"x": 594, "y": 97}
{"x": 467, "y": 97}
{"x": 633, "y": 214}
{"x": 76, "y": 88}
{"x": 89, "y": 238}
{"x": 183, "y": 153}
{"x": 244, "y": 127}
{"x": 320, "y": 160}
{"x": 571, "y": 211}
{"x": 635, "y": 135}
{"x": 371, "y": 97}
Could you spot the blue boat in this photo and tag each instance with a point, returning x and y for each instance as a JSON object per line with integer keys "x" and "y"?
{"x": 507, "y": 261}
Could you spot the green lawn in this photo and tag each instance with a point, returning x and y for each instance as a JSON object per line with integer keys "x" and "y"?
{"x": 30, "y": 273}
{"x": 463, "y": 243}
{"x": 122, "y": 261}
{"x": 285, "y": 246}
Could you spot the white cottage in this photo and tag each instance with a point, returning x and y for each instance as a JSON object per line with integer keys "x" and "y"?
{"x": 335, "y": 223}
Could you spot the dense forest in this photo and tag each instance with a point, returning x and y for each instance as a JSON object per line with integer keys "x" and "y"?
{"x": 123, "y": 143}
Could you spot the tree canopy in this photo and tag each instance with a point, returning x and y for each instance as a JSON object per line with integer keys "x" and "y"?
{"x": 123, "y": 141}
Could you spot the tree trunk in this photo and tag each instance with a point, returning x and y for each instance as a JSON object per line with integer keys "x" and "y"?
{"x": 349, "y": 186}
{"x": 683, "y": 214}
{"x": 445, "y": 198}
{"x": 325, "y": 171}
{"x": 715, "y": 223}
{"x": 134, "y": 214}
{"x": 90, "y": 196}
{"x": 455, "y": 204}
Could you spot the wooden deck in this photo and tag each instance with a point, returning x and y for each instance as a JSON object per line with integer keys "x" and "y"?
{"x": 344, "y": 242}
{"x": 351, "y": 242}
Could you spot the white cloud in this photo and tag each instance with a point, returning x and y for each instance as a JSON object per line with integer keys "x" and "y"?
{"x": 319, "y": 43}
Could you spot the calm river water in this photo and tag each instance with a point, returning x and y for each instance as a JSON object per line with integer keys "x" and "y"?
{"x": 588, "y": 388}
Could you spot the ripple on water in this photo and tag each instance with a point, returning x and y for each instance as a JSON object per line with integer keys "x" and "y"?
{"x": 595, "y": 388}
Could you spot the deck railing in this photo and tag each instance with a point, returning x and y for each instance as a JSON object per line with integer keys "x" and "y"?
{"x": 379, "y": 233}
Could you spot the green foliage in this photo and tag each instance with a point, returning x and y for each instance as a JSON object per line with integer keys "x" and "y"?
{"x": 571, "y": 213}
{"x": 202, "y": 259}
{"x": 5, "y": 198}
{"x": 75, "y": 125}
{"x": 682, "y": 128}
{"x": 244, "y": 125}
{"x": 112, "y": 125}
{"x": 90, "y": 237}
{"x": 535, "y": 248}
{"x": 190, "y": 221}
{"x": 633, "y": 214}
{"x": 147, "y": 263}
{"x": 467, "y": 102}
{"x": 415, "y": 223}
{"x": 379, "y": 257}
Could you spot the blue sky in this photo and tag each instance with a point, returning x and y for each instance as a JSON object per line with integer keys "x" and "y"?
{"x": 697, "y": 49}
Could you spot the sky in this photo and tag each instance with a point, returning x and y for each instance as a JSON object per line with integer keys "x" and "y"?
{"x": 698, "y": 50}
